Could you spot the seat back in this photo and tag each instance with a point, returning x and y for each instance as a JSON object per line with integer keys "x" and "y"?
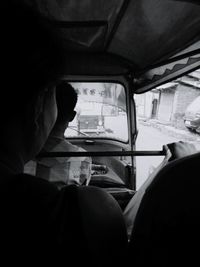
{"x": 72, "y": 225}
{"x": 103, "y": 226}
{"x": 166, "y": 230}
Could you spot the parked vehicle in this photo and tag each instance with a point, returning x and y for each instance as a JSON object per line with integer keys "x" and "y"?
{"x": 192, "y": 116}
{"x": 90, "y": 120}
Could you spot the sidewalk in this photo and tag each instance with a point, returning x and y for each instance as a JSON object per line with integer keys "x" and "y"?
{"x": 181, "y": 134}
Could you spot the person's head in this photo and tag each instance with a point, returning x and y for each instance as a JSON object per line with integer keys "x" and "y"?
{"x": 32, "y": 58}
{"x": 66, "y": 98}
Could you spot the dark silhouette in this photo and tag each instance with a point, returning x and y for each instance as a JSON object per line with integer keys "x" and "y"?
{"x": 64, "y": 170}
{"x": 39, "y": 223}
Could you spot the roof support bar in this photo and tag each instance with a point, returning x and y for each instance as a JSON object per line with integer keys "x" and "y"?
{"x": 102, "y": 154}
{"x": 117, "y": 22}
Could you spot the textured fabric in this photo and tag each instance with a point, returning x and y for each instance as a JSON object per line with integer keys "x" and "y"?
{"x": 62, "y": 169}
{"x": 41, "y": 224}
{"x": 167, "y": 226}
{"x": 142, "y": 33}
{"x": 173, "y": 151}
{"x": 131, "y": 209}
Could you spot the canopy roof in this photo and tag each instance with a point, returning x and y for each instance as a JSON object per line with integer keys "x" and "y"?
{"x": 154, "y": 40}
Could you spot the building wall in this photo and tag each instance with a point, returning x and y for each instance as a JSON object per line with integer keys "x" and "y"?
{"x": 165, "y": 110}
{"x": 144, "y": 104}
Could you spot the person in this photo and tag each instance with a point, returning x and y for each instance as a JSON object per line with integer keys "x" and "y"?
{"x": 64, "y": 170}
{"x": 173, "y": 151}
{"x": 39, "y": 223}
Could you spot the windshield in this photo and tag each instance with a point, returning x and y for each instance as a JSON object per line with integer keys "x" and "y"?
{"x": 194, "y": 106}
{"x": 100, "y": 109}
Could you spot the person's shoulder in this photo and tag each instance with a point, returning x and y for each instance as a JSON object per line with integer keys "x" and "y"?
{"x": 31, "y": 186}
{"x": 29, "y": 196}
{"x": 67, "y": 146}
{"x": 52, "y": 143}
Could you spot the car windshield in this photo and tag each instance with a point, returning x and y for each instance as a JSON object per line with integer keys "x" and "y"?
{"x": 194, "y": 106}
{"x": 101, "y": 108}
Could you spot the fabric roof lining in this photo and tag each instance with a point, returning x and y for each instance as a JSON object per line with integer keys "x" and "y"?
{"x": 142, "y": 33}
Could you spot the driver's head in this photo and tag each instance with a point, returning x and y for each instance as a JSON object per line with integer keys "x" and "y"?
{"x": 66, "y": 98}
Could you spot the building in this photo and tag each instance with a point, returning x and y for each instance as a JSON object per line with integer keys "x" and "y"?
{"x": 168, "y": 102}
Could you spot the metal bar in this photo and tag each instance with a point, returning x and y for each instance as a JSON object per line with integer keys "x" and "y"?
{"x": 101, "y": 154}
{"x": 123, "y": 9}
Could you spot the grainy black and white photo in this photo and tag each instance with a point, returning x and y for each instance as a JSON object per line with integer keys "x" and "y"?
{"x": 100, "y": 133}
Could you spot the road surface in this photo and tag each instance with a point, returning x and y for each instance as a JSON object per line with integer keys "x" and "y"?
{"x": 149, "y": 138}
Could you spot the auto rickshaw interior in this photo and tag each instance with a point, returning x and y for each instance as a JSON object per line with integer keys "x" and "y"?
{"x": 135, "y": 66}
{"x": 116, "y": 51}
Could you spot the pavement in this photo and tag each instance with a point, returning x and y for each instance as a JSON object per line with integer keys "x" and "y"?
{"x": 153, "y": 135}
{"x": 182, "y": 134}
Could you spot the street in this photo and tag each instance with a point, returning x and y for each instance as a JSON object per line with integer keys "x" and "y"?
{"x": 150, "y": 138}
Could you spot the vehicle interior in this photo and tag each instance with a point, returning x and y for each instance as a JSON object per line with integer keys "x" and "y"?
{"x": 121, "y": 54}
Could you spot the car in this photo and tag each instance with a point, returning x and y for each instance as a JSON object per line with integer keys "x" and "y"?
{"x": 192, "y": 116}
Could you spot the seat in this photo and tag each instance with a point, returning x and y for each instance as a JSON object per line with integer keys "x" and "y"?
{"x": 75, "y": 224}
{"x": 166, "y": 230}
{"x": 103, "y": 229}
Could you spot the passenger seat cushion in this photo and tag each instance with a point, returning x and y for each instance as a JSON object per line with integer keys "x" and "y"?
{"x": 174, "y": 151}
{"x": 103, "y": 224}
{"x": 44, "y": 224}
{"x": 167, "y": 225}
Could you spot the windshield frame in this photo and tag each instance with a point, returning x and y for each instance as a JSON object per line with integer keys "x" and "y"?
{"x": 119, "y": 79}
